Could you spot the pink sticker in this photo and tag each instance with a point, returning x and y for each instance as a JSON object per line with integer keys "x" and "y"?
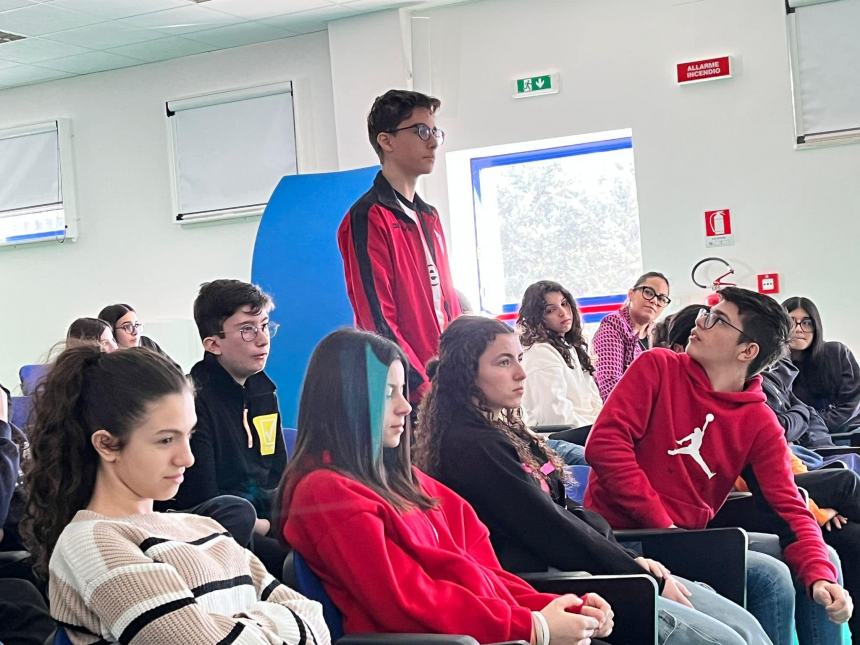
{"x": 547, "y": 468}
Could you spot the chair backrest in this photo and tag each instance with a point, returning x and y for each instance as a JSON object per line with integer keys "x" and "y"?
{"x": 308, "y": 584}
{"x": 21, "y": 408}
{"x": 575, "y": 489}
{"x": 61, "y": 638}
{"x": 31, "y": 376}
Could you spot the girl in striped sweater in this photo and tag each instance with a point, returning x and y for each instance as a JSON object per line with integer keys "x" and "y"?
{"x": 111, "y": 435}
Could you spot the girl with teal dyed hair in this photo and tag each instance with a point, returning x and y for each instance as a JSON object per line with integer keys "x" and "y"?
{"x": 395, "y": 550}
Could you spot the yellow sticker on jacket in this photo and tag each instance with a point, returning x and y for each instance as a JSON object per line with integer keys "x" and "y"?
{"x": 267, "y": 429}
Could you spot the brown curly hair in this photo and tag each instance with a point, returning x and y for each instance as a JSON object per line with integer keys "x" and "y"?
{"x": 453, "y": 393}
{"x": 533, "y": 329}
{"x": 86, "y": 390}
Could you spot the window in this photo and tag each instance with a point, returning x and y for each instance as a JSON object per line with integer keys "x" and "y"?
{"x": 824, "y": 47}
{"x": 230, "y": 150}
{"x": 36, "y": 194}
{"x": 562, "y": 210}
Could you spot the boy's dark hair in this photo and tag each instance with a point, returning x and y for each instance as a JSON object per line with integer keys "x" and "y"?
{"x": 765, "y": 321}
{"x": 393, "y": 108}
{"x": 681, "y": 324}
{"x": 220, "y": 299}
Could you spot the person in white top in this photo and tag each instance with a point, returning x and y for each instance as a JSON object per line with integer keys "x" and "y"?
{"x": 560, "y": 388}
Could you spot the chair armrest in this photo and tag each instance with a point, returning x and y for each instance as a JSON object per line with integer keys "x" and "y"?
{"x": 551, "y": 429}
{"x": 633, "y": 599}
{"x": 838, "y": 450}
{"x": 848, "y": 438}
{"x": 682, "y": 551}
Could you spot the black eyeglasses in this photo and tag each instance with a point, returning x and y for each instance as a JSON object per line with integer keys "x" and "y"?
{"x": 807, "y": 324}
{"x": 649, "y": 294}
{"x": 710, "y": 319}
{"x": 424, "y": 132}
{"x": 131, "y": 328}
{"x": 250, "y": 332}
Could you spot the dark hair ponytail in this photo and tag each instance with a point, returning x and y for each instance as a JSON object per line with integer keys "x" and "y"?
{"x": 85, "y": 391}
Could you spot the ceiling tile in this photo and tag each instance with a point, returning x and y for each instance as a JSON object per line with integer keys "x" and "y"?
{"x": 114, "y": 9}
{"x": 90, "y": 62}
{"x": 26, "y": 74}
{"x": 238, "y": 35}
{"x": 182, "y": 20}
{"x": 266, "y": 8}
{"x": 33, "y": 50}
{"x": 5, "y": 5}
{"x": 378, "y": 5}
{"x": 40, "y": 19}
{"x": 308, "y": 21}
{"x": 163, "y": 49}
{"x": 105, "y": 35}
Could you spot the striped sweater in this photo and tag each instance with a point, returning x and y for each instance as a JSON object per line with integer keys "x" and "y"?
{"x": 171, "y": 578}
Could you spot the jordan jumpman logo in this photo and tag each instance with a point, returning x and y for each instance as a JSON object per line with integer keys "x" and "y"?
{"x": 693, "y": 449}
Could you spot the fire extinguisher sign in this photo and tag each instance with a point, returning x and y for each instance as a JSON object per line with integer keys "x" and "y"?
{"x": 718, "y": 228}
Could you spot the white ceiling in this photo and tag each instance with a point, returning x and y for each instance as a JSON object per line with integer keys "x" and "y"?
{"x": 72, "y": 37}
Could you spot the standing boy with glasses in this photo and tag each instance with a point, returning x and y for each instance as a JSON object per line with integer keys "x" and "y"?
{"x": 237, "y": 444}
{"x": 393, "y": 246}
{"x": 680, "y": 428}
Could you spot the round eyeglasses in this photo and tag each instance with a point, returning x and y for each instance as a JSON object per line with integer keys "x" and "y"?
{"x": 249, "y": 333}
{"x": 131, "y": 328}
{"x": 807, "y": 324}
{"x": 710, "y": 319}
{"x": 424, "y": 132}
{"x": 649, "y": 294}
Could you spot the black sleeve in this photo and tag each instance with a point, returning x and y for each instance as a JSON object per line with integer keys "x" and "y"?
{"x": 201, "y": 480}
{"x": 489, "y": 475}
{"x": 847, "y": 392}
{"x": 795, "y": 419}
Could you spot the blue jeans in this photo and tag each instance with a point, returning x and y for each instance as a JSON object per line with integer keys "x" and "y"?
{"x": 714, "y": 619}
{"x": 570, "y": 453}
{"x": 773, "y": 596}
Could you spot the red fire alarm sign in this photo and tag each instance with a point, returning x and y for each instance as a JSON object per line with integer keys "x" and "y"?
{"x": 708, "y": 69}
{"x": 768, "y": 282}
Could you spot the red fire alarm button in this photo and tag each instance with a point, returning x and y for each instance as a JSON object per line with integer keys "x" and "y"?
{"x": 768, "y": 283}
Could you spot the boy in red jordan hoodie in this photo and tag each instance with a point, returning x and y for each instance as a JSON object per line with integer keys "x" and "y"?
{"x": 680, "y": 428}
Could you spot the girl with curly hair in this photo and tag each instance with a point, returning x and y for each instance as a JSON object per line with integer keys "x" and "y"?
{"x": 472, "y": 438}
{"x": 111, "y": 435}
{"x": 560, "y": 389}
{"x": 396, "y": 550}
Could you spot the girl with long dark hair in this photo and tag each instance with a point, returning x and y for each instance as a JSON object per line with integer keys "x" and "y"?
{"x": 111, "y": 435}
{"x": 560, "y": 389}
{"x": 395, "y": 550}
{"x": 472, "y": 438}
{"x": 828, "y": 377}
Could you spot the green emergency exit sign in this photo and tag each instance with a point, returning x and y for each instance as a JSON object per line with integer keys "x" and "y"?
{"x": 534, "y": 85}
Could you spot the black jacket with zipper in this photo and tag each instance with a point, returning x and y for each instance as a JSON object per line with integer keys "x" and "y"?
{"x": 228, "y": 452}
{"x": 800, "y": 421}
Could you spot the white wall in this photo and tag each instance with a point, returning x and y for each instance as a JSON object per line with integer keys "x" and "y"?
{"x": 129, "y": 250}
{"x": 722, "y": 144}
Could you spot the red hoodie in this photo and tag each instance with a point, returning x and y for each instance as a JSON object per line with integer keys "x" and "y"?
{"x": 666, "y": 449}
{"x": 418, "y": 571}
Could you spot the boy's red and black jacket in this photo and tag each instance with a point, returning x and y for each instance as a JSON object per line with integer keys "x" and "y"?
{"x": 387, "y": 278}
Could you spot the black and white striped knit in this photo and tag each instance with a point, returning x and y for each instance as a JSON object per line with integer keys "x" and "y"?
{"x": 171, "y": 578}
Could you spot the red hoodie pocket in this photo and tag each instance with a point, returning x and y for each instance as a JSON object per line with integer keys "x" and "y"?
{"x": 686, "y": 513}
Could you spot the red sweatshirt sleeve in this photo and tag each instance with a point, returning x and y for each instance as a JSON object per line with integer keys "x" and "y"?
{"x": 369, "y": 270}
{"x": 345, "y": 539}
{"x": 800, "y": 536}
{"x": 610, "y": 448}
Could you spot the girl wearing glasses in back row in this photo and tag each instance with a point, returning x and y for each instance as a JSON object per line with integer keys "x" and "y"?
{"x": 829, "y": 377}
{"x": 127, "y": 328}
{"x": 623, "y": 334}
